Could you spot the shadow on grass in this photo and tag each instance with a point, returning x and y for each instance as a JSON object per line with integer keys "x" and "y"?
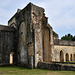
{"x": 16, "y": 67}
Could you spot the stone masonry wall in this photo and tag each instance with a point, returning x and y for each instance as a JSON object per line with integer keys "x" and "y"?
{"x": 36, "y": 16}
{"x": 58, "y": 67}
{"x": 64, "y": 42}
{"x": 70, "y": 50}
{"x": 22, "y": 21}
{"x": 7, "y": 43}
{"x": 43, "y": 35}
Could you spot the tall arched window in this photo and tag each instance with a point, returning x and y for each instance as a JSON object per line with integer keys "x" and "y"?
{"x": 46, "y": 45}
{"x": 61, "y": 56}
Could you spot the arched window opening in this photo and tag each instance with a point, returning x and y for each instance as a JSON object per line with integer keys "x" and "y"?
{"x": 71, "y": 57}
{"x": 67, "y": 57}
{"x": 74, "y": 57}
{"x": 61, "y": 56}
{"x": 46, "y": 45}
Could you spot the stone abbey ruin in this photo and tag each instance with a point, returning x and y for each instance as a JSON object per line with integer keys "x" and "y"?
{"x": 29, "y": 39}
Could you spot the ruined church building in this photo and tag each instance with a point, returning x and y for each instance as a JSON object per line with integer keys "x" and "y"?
{"x": 29, "y": 39}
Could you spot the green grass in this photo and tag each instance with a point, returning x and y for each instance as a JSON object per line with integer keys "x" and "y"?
{"x": 14, "y": 70}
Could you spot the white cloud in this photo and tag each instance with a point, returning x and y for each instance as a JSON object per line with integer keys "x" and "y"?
{"x": 61, "y": 13}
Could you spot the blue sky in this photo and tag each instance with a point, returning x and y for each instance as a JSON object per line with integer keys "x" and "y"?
{"x": 60, "y": 13}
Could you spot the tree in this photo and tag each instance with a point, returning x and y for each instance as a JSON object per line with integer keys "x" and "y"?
{"x": 73, "y": 38}
{"x": 68, "y": 37}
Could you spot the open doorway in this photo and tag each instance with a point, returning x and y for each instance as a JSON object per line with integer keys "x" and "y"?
{"x": 11, "y": 58}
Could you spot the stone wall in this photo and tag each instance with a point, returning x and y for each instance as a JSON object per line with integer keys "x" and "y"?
{"x": 36, "y": 16}
{"x": 7, "y": 44}
{"x": 22, "y": 21}
{"x": 64, "y": 42}
{"x": 43, "y": 35}
{"x": 64, "y": 53}
{"x": 58, "y": 67}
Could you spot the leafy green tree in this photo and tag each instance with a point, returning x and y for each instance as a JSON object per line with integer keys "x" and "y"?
{"x": 68, "y": 37}
{"x": 73, "y": 38}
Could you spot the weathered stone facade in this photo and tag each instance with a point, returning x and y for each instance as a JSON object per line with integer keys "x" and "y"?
{"x": 34, "y": 35}
{"x": 56, "y": 66}
{"x": 7, "y": 46}
{"x": 64, "y": 51}
{"x": 29, "y": 39}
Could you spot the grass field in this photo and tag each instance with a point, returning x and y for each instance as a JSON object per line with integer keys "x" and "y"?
{"x": 14, "y": 70}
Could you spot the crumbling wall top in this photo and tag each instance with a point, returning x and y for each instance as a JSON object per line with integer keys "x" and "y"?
{"x": 30, "y": 5}
{"x": 64, "y": 42}
{"x": 6, "y": 28}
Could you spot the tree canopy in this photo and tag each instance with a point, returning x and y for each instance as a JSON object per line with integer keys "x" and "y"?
{"x": 68, "y": 37}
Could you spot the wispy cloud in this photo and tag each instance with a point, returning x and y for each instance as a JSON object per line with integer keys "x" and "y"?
{"x": 61, "y": 13}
